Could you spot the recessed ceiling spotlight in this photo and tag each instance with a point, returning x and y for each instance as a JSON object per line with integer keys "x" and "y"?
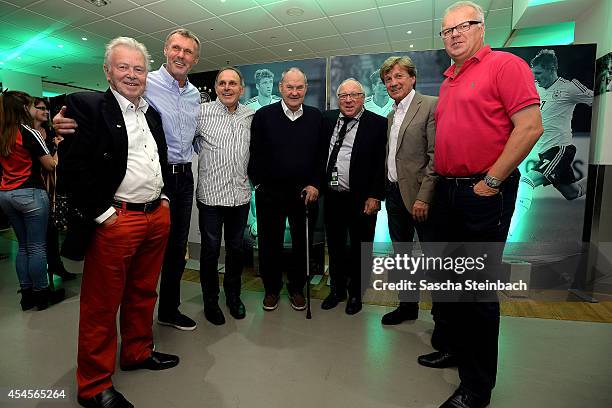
{"x": 290, "y": 49}
{"x": 18, "y": 58}
{"x": 222, "y": 1}
{"x": 295, "y": 11}
{"x": 84, "y": 38}
{"x": 60, "y": 46}
{"x": 99, "y": 3}
{"x": 411, "y": 45}
{"x": 409, "y": 32}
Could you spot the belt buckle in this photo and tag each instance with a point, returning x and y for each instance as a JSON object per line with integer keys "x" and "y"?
{"x": 147, "y": 206}
{"x": 173, "y": 169}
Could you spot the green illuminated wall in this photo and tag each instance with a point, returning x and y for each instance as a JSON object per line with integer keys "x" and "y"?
{"x": 554, "y": 34}
{"x": 31, "y": 84}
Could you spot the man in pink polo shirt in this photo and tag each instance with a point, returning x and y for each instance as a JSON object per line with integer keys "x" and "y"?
{"x": 487, "y": 121}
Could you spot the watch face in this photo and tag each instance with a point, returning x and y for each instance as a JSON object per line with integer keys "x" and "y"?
{"x": 492, "y": 181}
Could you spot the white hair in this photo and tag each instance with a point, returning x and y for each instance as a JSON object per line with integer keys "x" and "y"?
{"x": 129, "y": 43}
{"x": 479, "y": 11}
{"x": 349, "y": 80}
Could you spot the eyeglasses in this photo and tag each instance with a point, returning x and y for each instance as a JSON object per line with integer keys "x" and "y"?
{"x": 461, "y": 28}
{"x": 353, "y": 95}
{"x": 41, "y": 108}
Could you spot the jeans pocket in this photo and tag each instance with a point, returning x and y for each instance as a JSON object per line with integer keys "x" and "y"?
{"x": 23, "y": 197}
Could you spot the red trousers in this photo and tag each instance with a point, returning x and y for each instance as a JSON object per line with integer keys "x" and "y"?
{"x": 121, "y": 269}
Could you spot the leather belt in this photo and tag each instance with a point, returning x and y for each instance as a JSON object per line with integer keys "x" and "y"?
{"x": 142, "y": 207}
{"x": 179, "y": 168}
{"x": 464, "y": 181}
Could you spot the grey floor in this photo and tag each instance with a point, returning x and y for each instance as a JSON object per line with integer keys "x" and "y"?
{"x": 280, "y": 359}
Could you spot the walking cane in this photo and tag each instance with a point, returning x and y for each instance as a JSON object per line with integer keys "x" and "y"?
{"x": 308, "y": 313}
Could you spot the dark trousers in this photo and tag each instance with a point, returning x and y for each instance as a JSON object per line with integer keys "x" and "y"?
{"x": 179, "y": 189}
{"x": 273, "y": 210}
{"x": 401, "y": 230}
{"x": 470, "y": 330}
{"x": 54, "y": 262}
{"x": 344, "y": 217}
{"x": 212, "y": 220}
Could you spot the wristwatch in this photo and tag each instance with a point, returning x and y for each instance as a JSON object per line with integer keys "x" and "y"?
{"x": 492, "y": 182}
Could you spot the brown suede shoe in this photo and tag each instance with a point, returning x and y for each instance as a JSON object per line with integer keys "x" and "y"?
{"x": 297, "y": 301}
{"x": 270, "y": 302}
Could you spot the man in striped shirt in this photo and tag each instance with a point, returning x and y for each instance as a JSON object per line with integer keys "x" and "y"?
{"x": 223, "y": 192}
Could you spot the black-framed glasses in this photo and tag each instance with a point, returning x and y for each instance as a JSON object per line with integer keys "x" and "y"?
{"x": 461, "y": 28}
{"x": 41, "y": 108}
{"x": 352, "y": 95}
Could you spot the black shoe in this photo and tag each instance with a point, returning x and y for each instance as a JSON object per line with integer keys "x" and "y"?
{"x": 332, "y": 300}
{"x": 353, "y": 305}
{"x": 214, "y": 314}
{"x": 156, "y": 361}
{"x": 179, "y": 321}
{"x": 437, "y": 359}
{"x": 236, "y": 307}
{"x": 462, "y": 398}
{"x": 109, "y": 398}
{"x": 28, "y": 301}
{"x": 61, "y": 272}
{"x": 405, "y": 311}
{"x": 47, "y": 297}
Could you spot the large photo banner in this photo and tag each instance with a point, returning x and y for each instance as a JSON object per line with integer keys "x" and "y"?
{"x": 551, "y": 204}
{"x": 366, "y": 69}
{"x": 551, "y": 200}
{"x": 261, "y": 82}
{"x": 261, "y": 89}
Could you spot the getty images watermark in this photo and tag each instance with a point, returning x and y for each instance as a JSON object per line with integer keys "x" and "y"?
{"x": 430, "y": 268}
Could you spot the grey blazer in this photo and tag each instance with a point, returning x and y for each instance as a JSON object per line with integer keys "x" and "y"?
{"x": 414, "y": 157}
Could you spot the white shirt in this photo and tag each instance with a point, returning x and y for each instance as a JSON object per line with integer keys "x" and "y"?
{"x": 222, "y": 143}
{"x": 557, "y": 103}
{"x": 398, "y": 118}
{"x": 343, "y": 163}
{"x": 293, "y": 116}
{"x": 143, "y": 180}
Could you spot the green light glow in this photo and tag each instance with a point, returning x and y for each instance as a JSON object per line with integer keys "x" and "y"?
{"x": 554, "y": 34}
{"x": 48, "y": 94}
{"x": 533, "y": 3}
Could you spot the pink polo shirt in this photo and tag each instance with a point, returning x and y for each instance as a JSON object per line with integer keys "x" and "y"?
{"x": 474, "y": 109}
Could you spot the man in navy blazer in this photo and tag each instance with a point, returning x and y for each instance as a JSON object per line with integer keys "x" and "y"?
{"x": 115, "y": 174}
{"x": 355, "y": 184}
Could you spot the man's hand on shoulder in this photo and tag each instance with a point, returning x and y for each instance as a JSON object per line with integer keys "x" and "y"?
{"x": 62, "y": 124}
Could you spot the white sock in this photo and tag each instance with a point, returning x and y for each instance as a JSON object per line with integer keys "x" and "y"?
{"x": 523, "y": 203}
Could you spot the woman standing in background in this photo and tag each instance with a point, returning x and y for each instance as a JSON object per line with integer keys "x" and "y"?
{"x": 23, "y": 197}
{"x": 40, "y": 117}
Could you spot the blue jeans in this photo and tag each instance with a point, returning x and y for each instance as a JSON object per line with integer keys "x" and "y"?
{"x": 28, "y": 210}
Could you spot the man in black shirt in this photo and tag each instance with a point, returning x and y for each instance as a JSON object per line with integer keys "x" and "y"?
{"x": 287, "y": 167}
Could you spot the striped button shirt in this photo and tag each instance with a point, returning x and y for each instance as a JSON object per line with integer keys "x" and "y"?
{"x": 222, "y": 143}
